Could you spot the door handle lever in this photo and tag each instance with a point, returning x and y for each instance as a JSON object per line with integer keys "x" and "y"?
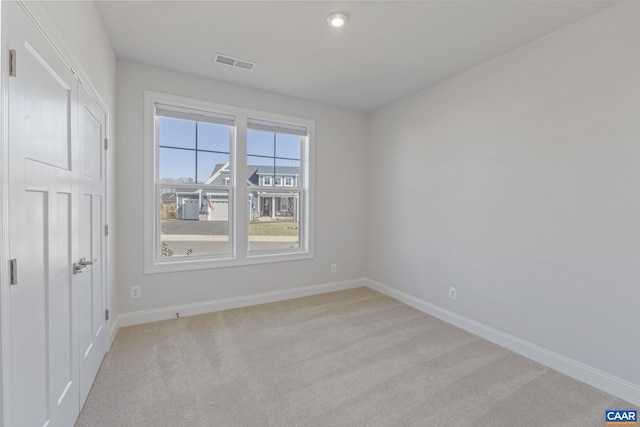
{"x": 82, "y": 264}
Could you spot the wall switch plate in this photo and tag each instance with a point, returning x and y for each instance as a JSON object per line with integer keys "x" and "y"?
{"x": 334, "y": 268}
{"x": 453, "y": 293}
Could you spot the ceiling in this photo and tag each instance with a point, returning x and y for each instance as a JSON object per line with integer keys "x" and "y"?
{"x": 387, "y": 50}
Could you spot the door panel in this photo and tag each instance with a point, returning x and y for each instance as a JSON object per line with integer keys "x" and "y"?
{"x": 49, "y": 144}
{"x": 59, "y": 297}
{"x": 28, "y": 308}
{"x": 91, "y": 130}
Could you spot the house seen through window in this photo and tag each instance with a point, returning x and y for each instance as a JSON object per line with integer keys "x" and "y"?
{"x": 202, "y": 178}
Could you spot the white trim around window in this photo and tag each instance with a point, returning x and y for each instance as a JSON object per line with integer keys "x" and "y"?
{"x": 239, "y": 119}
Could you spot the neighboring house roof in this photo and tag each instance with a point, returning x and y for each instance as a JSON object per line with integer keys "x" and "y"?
{"x": 253, "y": 173}
{"x": 280, "y": 170}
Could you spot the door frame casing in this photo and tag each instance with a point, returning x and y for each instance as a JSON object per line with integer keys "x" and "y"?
{"x": 36, "y": 14}
{"x": 5, "y": 380}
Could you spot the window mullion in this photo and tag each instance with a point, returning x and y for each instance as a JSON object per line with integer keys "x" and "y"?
{"x": 274, "y": 159}
{"x": 196, "y": 165}
{"x": 241, "y": 208}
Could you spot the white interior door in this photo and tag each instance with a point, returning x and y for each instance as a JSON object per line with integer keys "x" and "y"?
{"x": 91, "y": 245}
{"x": 42, "y": 99}
{"x": 56, "y": 216}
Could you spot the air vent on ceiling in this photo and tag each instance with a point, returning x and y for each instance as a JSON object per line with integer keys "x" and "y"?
{"x": 220, "y": 58}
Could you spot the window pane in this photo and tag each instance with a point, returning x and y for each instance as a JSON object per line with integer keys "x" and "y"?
{"x": 284, "y": 164}
{"x": 193, "y": 222}
{"x": 260, "y": 161}
{"x": 211, "y": 163}
{"x": 213, "y": 137}
{"x": 274, "y": 224}
{"x": 287, "y": 163}
{"x": 288, "y": 146}
{"x": 177, "y": 166}
{"x": 274, "y": 217}
{"x": 260, "y": 143}
{"x": 177, "y": 133}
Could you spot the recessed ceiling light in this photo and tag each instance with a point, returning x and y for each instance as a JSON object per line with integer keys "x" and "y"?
{"x": 337, "y": 19}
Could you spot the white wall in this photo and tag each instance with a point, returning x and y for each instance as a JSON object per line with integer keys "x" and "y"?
{"x": 517, "y": 182}
{"x": 340, "y": 172}
{"x": 80, "y": 27}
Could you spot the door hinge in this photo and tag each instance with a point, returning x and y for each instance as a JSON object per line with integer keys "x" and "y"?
{"x": 12, "y": 62}
{"x": 106, "y": 314}
{"x": 106, "y": 143}
{"x": 13, "y": 271}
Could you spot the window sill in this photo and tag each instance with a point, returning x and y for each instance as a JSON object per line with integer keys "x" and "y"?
{"x": 203, "y": 264}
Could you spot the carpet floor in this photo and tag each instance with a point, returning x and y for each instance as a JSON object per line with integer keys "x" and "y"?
{"x": 348, "y": 358}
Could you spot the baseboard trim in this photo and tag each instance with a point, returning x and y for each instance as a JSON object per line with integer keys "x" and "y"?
{"x": 594, "y": 377}
{"x": 154, "y": 315}
{"x": 113, "y": 331}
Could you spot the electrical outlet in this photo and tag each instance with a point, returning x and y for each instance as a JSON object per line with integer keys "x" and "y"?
{"x": 334, "y": 268}
{"x": 453, "y": 293}
{"x": 136, "y": 292}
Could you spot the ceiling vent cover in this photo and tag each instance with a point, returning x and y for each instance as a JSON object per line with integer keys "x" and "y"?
{"x": 220, "y": 58}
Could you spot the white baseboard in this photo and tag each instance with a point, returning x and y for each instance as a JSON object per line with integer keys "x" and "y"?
{"x": 594, "y": 377}
{"x": 606, "y": 382}
{"x": 113, "y": 330}
{"x": 146, "y": 316}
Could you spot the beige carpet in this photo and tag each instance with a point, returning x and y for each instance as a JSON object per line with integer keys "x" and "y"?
{"x": 349, "y": 358}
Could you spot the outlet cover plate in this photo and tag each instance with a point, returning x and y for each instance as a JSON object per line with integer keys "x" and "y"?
{"x": 136, "y": 292}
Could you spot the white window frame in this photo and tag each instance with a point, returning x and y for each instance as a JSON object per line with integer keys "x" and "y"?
{"x": 290, "y": 179}
{"x": 266, "y": 181}
{"x": 238, "y": 190}
{"x": 275, "y": 181}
